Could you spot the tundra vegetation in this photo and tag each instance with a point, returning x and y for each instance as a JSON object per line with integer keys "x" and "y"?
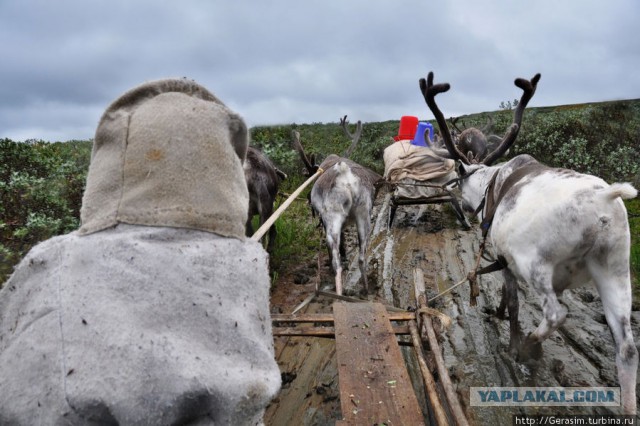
{"x": 41, "y": 183}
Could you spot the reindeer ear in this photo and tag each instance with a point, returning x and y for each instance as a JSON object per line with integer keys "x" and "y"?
{"x": 239, "y": 136}
{"x": 462, "y": 168}
{"x": 471, "y": 157}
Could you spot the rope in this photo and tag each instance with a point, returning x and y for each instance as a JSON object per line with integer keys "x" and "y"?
{"x": 471, "y": 277}
{"x": 445, "y": 319}
{"x": 449, "y": 289}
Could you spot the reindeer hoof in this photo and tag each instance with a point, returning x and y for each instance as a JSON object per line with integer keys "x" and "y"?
{"x": 513, "y": 350}
{"x": 488, "y": 310}
{"x": 515, "y": 345}
{"x": 529, "y": 350}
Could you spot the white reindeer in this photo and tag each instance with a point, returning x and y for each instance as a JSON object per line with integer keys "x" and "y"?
{"x": 343, "y": 195}
{"x": 553, "y": 229}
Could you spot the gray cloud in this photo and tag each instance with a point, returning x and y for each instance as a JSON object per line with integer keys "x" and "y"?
{"x": 279, "y": 62}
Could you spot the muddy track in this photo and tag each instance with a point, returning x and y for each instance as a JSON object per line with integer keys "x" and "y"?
{"x": 474, "y": 347}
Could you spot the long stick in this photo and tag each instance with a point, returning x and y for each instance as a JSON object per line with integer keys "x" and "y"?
{"x": 265, "y": 226}
{"x": 325, "y": 331}
{"x": 322, "y": 317}
{"x": 452, "y": 398}
{"x": 429, "y": 382}
{"x": 304, "y": 303}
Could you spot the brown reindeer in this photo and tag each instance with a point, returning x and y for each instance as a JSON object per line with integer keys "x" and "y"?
{"x": 263, "y": 179}
{"x": 473, "y": 142}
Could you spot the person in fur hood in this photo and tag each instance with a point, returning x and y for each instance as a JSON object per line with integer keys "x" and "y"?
{"x": 156, "y": 310}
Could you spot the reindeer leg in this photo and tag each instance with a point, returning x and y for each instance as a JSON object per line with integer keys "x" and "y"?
{"x": 249, "y": 226}
{"x": 339, "y": 281}
{"x": 615, "y": 292}
{"x": 333, "y": 228}
{"x": 510, "y": 300}
{"x": 503, "y": 303}
{"x": 363, "y": 240}
{"x": 553, "y": 313}
{"x": 343, "y": 249}
{"x": 264, "y": 216}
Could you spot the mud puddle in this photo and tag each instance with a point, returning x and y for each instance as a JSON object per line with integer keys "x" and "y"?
{"x": 580, "y": 354}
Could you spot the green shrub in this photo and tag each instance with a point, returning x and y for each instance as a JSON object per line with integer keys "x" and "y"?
{"x": 41, "y": 187}
{"x": 599, "y": 139}
{"x": 633, "y": 210}
{"x": 41, "y": 184}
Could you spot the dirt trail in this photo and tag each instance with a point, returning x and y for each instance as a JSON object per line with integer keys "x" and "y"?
{"x": 580, "y": 354}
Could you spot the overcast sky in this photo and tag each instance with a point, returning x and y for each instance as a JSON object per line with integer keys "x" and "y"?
{"x": 282, "y": 61}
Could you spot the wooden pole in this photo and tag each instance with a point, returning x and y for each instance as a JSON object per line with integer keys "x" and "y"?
{"x": 429, "y": 382}
{"x": 326, "y": 331}
{"x": 328, "y": 317}
{"x": 452, "y": 398}
{"x": 265, "y": 226}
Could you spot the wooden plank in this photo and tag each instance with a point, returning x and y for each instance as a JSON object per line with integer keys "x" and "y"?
{"x": 326, "y": 331}
{"x": 354, "y": 300}
{"x": 277, "y": 318}
{"x": 304, "y": 331}
{"x": 374, "y": 384}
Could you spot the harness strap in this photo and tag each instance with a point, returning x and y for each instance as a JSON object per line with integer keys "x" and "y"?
{"x": 480, "y": 207}
{"x": 493, "y": 267}
{"x": 492, "y": 201}
{"x": 491, "y": 205}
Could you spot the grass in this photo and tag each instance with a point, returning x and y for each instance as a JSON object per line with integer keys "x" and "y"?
{"x": 633, "y": 210}
{"x": 298, "y": 237}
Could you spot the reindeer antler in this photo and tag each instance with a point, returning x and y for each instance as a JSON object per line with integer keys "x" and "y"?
{"x": 311, "y": 168}
{"x": 355, "y": 137}
{"x": 488, "y": 128}
{"x": 429, "y": 91}
{"x": 454, "y": 123}
{"x": 528, "y": 89}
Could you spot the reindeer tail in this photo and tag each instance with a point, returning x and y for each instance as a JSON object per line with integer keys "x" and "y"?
{"x": 622, "y": 190}
{"x": 342, "y": 167}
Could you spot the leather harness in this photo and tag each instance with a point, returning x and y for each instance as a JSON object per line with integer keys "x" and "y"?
{"x": 491, "y": 201}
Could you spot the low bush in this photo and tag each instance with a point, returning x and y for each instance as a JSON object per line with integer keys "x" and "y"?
{"x": 41, "y": 187}
{"x": 41, "y": 183}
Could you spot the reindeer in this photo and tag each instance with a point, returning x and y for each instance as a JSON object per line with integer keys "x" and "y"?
{"x": 263, "y": 179}
{"x": 475, "y": 143}
{"x": 554, "y": 229}
{"x": 343, "y": 194}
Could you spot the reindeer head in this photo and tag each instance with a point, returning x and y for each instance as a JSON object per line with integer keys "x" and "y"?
{"x": 309, "y": 161}
{"x": 473, "y": 142}
{"x": 469, "y": 156}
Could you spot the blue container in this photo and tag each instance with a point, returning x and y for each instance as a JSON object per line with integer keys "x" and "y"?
{"x": 419, "y": 139}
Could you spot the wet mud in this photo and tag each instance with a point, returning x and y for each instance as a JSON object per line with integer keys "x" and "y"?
{"x": 580, "y": 354}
